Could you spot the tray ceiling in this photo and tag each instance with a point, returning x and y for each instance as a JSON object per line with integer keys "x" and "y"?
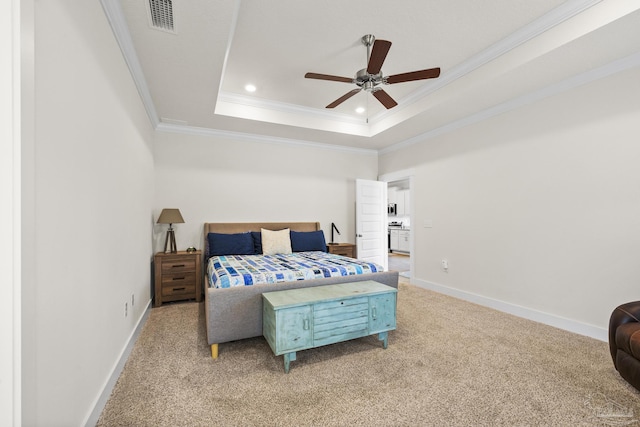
{"x": 492, "y": 54}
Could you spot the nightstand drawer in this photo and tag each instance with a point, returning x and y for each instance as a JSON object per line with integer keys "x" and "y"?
{"x": 348, "y": 252}
{"x": 178, "y": 265}
{"x": 188, "y": 278}
{"x": 344, "y": 249}
{"x": 178, "y": 290}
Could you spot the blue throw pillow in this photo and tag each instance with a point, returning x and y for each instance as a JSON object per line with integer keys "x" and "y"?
{"x": 257, "y": 242}
{"x": 308, "y": 241}
{"x": 230, "y": 244}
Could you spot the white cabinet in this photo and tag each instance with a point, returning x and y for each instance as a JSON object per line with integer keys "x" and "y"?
{"x": 400, "y": 203}
{"x": 403, "y": 240}
{"x": 400, "y": 240}
{"x": 392, "y": 195}
{"x": 401, "y": 199}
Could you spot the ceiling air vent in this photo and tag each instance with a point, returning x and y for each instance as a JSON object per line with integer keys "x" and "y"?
{"x": 161, "y": 14}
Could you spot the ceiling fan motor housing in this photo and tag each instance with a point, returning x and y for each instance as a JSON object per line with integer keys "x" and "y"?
{"x": 368, "y": 81}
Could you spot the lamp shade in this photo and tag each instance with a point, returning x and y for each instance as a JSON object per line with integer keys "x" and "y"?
{"x": 170, "y": 216}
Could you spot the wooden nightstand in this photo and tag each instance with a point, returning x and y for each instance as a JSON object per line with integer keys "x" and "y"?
{"x": 344, "y": 249}
{"x": 177, "y": 277}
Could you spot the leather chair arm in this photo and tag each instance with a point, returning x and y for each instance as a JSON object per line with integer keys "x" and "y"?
{"x": 625, "y": 313}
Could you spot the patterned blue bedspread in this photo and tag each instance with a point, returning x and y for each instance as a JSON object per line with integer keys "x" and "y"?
{"x": 245, "y": 270}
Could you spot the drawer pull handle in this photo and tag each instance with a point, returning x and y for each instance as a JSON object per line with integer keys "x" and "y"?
{"x": 374, "y": 313}
{"x": 178, "y": 278}
{"x": 179, "y": 289}
{"x": 305, "y": 324}
{"x": 177, "y": 266}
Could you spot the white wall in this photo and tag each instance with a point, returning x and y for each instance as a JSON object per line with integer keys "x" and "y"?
{"x": 91, "y": 166}
{"x": 216, "y": 179}
{"x": 537, "y": 210}
{"x": 10, "y": 215}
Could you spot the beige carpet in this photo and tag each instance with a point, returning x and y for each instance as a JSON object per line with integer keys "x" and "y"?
{"x": 449, "y": 363}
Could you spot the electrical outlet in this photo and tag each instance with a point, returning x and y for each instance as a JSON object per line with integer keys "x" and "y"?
{"x": 126, "y": 311}
{"x": 444, "y": 264}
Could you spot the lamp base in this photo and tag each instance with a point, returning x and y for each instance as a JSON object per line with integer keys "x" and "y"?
{"x": 170, "y": 240}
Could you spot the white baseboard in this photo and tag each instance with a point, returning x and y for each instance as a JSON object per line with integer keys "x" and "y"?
{"x": 517, "y": 310}
{"x": 101, "y": 402}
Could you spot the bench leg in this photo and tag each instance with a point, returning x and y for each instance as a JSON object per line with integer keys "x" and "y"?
{"x": 214, "y": 351}
{"x": 288, "y": 358}
{"x": 384, "y": 337}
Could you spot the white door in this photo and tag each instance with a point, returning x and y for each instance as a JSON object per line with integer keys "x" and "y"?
{"x": 371, "y": 221}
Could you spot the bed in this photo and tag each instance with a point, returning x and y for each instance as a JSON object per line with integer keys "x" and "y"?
{"x": 234, "y": 312}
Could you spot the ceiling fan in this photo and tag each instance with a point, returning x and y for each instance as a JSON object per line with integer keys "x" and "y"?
{"x": 371, "y": 78}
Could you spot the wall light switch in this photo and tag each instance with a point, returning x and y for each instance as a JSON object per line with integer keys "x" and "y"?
{"x": 428, "y": 223}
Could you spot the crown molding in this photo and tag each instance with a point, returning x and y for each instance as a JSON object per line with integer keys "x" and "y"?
{"x": 118, "y": 23}
{"x": 232, "y": 31}
{"x": 631, "y": 61}
{"x": 252, "y": 137}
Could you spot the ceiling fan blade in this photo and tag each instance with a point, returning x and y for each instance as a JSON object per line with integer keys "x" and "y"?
{"x": 378, "y": 55}
{"x": 385, "y": 99}
{"x": 328, "y": 77}
{"x": 343, "y": 98}
{"x": 431, "y": 73}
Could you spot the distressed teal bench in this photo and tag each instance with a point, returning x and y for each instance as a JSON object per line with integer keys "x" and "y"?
{"x": 300, "y": 319}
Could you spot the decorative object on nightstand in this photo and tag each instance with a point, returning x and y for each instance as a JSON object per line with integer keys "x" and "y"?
{"x": 170, "y": 216}
{"x": 333, "y": 227}
{"x": 178, "y": 276}
{"x": 344, "y": 249}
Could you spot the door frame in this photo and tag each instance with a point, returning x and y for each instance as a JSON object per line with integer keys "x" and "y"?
{"x": 399, "y": 176}
{"x": 10, "y": 194}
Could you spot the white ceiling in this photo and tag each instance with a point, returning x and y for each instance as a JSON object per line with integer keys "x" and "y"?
{"x": 494, "y": 55}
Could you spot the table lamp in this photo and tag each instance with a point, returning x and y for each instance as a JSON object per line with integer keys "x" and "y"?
{"x": 170, "y": 216}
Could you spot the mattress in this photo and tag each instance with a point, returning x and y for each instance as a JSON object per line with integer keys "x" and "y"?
{"x": 245, "y": 270}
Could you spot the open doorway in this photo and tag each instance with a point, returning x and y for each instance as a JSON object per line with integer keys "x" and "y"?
{"x": 399, "y": 226}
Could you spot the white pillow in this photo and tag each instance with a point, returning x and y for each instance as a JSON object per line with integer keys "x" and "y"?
{"x": 276, "y": 242}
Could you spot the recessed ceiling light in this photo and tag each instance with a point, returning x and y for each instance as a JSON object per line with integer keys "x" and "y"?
{"x": 360, "y": 110}
{"x": 250, "y": 88}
